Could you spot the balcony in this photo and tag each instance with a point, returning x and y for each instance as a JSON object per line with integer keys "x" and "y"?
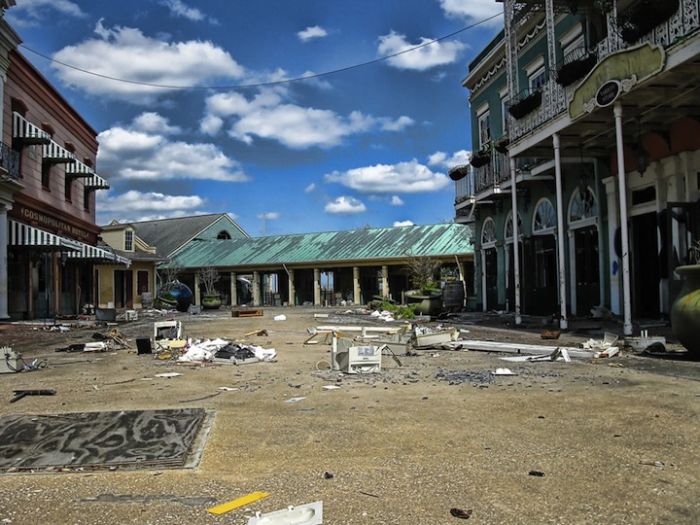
{"x": 659, "y": 22}
{"x": 9, "y": 162}
{"x": 464, "y": 182}
{"x": 490, "y": 175}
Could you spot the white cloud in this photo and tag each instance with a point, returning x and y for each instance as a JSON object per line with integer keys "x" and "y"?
{"x": 146, "y": 201}
{"x": 151, "y": 122}
{"x": 473, "y": 10}
{"x": 312, "y": 32}
{"x": 396, "y": 201}
{"x": 400, "y": 224}
{"x": 269, "y": 216}
{"x": 345, "y": 205}
{"x": 310, "y": 188}
{"x": 268, "y": 116}
{"x": 178, "y": 8}
{"x": 403, "y": 177}
{"x": 31, "y": 12}
{"x": 129, "y": 152}
{"x": 427, "y": 57}
{"x": 126, "y": 53}
{"x": 442, "y": 159}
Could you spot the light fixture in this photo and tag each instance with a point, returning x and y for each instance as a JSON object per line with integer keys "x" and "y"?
{"x": 497, "y": 188}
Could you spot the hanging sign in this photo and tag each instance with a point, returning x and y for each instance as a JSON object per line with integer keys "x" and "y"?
{"x": 608, "y": 93}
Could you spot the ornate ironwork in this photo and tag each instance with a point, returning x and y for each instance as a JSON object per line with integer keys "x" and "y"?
{"x": 9, "y": 161}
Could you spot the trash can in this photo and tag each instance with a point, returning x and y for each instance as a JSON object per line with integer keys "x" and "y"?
{"x": 143, "y": 345}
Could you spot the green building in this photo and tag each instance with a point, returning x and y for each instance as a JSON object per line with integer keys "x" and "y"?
{"x": 583, "y": 112}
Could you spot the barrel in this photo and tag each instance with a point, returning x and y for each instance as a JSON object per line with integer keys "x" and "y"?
{"x": 453, "y": 295}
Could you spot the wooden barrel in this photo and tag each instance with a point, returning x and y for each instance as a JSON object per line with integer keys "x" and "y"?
{"x": 453, "y": 295}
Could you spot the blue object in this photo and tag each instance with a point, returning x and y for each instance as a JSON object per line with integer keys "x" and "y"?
{"x": 176, "y": 295}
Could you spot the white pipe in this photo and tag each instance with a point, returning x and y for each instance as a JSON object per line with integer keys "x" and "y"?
{"x": 626, "y": 298}
{"x": 563, "y": 322}
{"x": 516, "y": 245}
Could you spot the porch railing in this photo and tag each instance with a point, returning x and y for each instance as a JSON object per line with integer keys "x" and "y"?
{"x": 9, "y": 161}
{"x": 555, "y": 97}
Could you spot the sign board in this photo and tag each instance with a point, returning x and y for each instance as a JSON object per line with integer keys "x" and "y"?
{"x": 608, "y": 93}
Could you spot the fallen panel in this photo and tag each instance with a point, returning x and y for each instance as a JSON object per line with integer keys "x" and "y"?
{"x": 93, "y": 440}
{"x": 309, "y": 514}
{"x": 520, "y": 348}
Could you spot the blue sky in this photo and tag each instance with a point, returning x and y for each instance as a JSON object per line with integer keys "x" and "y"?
{"x": 370, "y": 146}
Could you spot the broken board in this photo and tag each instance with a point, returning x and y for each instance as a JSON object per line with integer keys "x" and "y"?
{"x": 519, "y": 348}
{"x": 92, "y": 440}
{"x": 247, "y": 312}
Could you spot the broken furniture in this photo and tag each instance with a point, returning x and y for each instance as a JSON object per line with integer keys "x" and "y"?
{"x": 167, "y": 330}
{"x": 246, "y": 312}
{"x": 10, "y": 361}
{"x": 19, "y": 394}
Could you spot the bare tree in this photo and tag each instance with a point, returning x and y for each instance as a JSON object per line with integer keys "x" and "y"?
{"x": 170, "y": 273}
{"x": 208, "y": 277}
{"x": 422, "y": 269}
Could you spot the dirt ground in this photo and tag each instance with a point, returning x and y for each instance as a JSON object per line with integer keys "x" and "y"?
{"x": 404, "y": 446}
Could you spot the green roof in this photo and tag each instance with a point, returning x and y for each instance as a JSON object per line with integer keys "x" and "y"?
{"x": 438, "y": 240}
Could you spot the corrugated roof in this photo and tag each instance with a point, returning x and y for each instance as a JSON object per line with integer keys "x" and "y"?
{"x": 167, "y": 235}
{"x": 352, "y": 245}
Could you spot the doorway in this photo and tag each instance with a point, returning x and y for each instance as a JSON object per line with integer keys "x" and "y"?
{"x": 646, "y": 273}
{"x": 123, "y": 289}
{"x": 587, "y": 269}
{"x": 542, "y": 272}
{"x": 491, "y": 272}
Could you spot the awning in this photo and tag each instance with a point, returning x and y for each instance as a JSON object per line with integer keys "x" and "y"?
{"x": 25, "y": 235}
{"x": 56, "y": 154}
{"x": 79, "y": 169}
{"x": 99, "y": 255}
{"x": 25, "y": 132}
{"x": 95, "y": 182}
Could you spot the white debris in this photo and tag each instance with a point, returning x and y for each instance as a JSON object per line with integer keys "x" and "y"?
{"x": 503, "y": 372}
{"x": 168, "y": 375}
{"x": 331, "y": 387}
{"x": 280, "y": 317}
{"x": 263, "y": 354}
{"x": 295, "y": 399}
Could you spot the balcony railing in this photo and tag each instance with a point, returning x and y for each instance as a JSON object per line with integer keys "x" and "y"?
{"x": 464, "y": 188}
{"x": 683, "y": 22}
{"x": 492, "y": 174}
{"x": 9, "y": 161}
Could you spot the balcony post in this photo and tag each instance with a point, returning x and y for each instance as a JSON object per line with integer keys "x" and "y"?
{"x": 4, "y": 208}
{"x": 511, "y": 42}
{"x": 621, "y": 174}
{"x": 234, "y": 290}
{"x": 563, "y": 321}
{"x": 551, "y": 39}
{"x": 516, "y": 245}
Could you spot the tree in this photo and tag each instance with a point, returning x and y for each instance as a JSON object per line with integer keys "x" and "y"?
{"x": 208, "y": 277}
{"x": 422, "y": 272}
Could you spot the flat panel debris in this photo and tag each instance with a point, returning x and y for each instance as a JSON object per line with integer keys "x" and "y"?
{"x": 96, "y": 440}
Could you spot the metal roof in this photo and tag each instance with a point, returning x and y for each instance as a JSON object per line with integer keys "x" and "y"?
{"x": 439, "y": 240}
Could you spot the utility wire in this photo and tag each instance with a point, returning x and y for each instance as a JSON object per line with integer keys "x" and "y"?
{"x": 263, "y": 84}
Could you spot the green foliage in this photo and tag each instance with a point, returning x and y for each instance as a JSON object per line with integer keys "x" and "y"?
{"x": 397, "y": 310}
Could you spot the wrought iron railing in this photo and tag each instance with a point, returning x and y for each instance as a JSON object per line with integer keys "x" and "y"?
{"x": 683, "y": 22}
{"x": 9, "y": 161}
{"x": 464, "y": 188}
{"x": 490, "y": 175}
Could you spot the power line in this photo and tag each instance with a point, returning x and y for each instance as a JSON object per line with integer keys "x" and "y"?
{"x": 262, "y": 84}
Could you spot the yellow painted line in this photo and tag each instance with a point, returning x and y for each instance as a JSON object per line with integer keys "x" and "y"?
{"x": 236, "y": 503}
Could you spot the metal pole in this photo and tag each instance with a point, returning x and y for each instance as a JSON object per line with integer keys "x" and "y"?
{"x": 626, "y": 298}
{"x": 516, "y": 245}
{"x": 563, "y": 322}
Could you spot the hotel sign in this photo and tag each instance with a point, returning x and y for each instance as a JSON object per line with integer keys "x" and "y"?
{"x": 608, "y": 93}
{"x": 52, "y": 224}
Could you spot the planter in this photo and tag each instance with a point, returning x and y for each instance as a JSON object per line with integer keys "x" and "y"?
{"x": 644, "y": 16}
{"x": 576, "y": 69}
{"x": 526, "y": 105}
{"x": 685, "y": 312}
{"x": 458, "y": 172}
{"x": 427, "y": 304}
{"x": 480, "y": 158}
{"x": 211, "y": 302}
{"x": 501, "y": 146}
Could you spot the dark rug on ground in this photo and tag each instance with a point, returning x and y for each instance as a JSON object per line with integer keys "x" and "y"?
{"x": 127, "y": 439}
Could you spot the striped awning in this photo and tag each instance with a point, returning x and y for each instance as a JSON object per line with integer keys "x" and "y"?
{"x": 97, "y": 254}
{"x": 79, "y": 169}
{"x": 25, "y": 235}
{"x": 26, "y": 132}
{"x": 56, "y": 154}
{"x": 95, "y": 182}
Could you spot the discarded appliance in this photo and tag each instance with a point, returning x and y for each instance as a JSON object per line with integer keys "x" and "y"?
{"x": 309, "y": 514}
{"x": 430, "y": 339}
{"x": 360, "y": 360}
{"x": 167, "y": 330}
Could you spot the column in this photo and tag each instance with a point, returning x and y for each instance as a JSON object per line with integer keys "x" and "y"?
{"x": 385, "y": 281}
{"x": 197, "y": 291}
{"x": 621, "y": 174}
{"x": 292, "y": 288}
{"x": 4, "y": 208}
{"x": 613, "y": 268}
{"x": 516, "y": 244}
{"x": 234, "y": 290}
{"x": 256, "y": 288}
{"x": 356, "y": 292}
{"x": 563, "y": 322}
{"x": 317, "y": 287}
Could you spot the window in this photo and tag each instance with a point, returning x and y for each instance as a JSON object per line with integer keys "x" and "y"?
{"x": 86, "y": 199}
{"x": 537, "y": 79}
{"x": 545, "y": 219}
{"x": 223, "y": 234}
{"x": 68, "y": 189}
{"x": 577, "y": 45}
{"x": 488, "y": 232}
{"x": 484, "y": 129}
{"x": 128, "y": 241}
{"x": 45, "y": 175}
{"x": 583, "y": 205}
{"x": 508, "y": 229}
{"x": 643, "y": 196}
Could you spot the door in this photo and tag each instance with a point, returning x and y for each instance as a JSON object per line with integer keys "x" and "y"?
{"x": 491, "y": 269}
{"x": 510, "y": 284}
{"x": 544, "y": 276}
{"x": 587, "y": 270}
{"x": 123, "y": 289}
{"x": 645, "y": 267}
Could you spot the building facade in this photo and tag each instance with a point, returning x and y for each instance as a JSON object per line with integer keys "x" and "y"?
{"x": 583, "y": 113}
{"x": 48, "y": 236}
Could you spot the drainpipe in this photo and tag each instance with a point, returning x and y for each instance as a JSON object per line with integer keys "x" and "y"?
{"x": 626, "y": 298}
{"x": 563, "y": 322}
{"x": 516, "y": 244}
